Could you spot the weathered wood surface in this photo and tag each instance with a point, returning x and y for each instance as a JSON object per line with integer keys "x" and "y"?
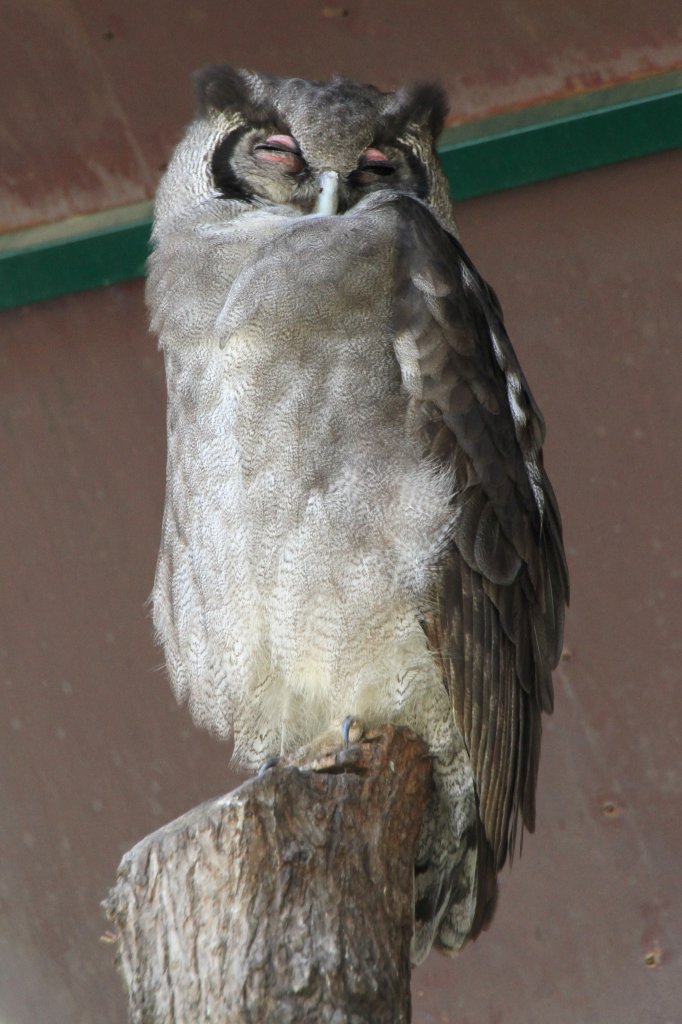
{"x": 287, "y": 900}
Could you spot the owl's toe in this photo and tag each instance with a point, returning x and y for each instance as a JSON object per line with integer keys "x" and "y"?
{"x": 352, "y": 731}
{"x": 271, "y": 762}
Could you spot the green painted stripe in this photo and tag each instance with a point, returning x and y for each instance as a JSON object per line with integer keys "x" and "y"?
{"x": 568, "y": 135}
{"x": 533, "y": 144}
{"x": 84, "y": 252}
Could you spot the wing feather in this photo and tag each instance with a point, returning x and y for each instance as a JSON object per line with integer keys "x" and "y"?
{"x": 497, "y": 619}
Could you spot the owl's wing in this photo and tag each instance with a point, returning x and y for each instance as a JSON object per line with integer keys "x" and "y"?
{"x": 497, "y": 620}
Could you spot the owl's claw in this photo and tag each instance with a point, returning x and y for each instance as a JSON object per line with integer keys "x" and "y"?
{"x": 267, "y": 765}
{"x": 351, "y": 724}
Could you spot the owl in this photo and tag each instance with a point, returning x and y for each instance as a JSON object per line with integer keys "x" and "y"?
{"x": 357, "y": 519}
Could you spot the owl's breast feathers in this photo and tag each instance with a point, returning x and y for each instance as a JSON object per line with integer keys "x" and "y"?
{"x": 394, "y": 342}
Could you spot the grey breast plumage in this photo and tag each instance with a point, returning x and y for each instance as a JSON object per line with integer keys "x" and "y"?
{"x": 357, "y": 516}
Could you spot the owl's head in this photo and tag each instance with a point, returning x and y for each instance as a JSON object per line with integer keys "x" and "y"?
{"x": 306, "y": 146}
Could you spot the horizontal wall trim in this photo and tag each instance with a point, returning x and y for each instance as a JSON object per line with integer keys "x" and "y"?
{"x": 577, "y": 133}
{"x": 533, "y": 144}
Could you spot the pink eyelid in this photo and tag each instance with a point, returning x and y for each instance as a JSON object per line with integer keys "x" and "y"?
{"x": 286, "y": 141}
{"x": 375, "y": 154}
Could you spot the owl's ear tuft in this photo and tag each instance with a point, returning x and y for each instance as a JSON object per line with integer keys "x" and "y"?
{"x": 428, "y": 103}
{"x": 222, "y": 88}
{"x": 219, "y": 87}
{"x": 423, "y": 105}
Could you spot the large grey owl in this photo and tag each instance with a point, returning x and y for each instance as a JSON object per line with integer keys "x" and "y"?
{"x": 357, "y": 518}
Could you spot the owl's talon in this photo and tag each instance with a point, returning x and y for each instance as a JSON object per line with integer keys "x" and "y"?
{"x": 271, "y": 762}
{"x": 348, "y": 723}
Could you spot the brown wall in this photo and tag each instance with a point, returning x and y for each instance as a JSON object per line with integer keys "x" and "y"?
{"x": 94, "y": 754}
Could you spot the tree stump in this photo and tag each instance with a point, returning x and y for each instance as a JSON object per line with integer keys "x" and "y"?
{"x": 289, "y": 900}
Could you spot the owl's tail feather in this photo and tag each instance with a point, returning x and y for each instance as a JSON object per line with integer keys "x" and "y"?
{"x": 486, "y": 883}
{"x": 451, "y": 910}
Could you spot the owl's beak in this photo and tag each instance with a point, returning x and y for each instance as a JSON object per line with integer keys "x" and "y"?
{"x": 328, "y": 199}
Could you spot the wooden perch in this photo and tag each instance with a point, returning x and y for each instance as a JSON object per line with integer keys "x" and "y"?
{"x": 287, "y": 901}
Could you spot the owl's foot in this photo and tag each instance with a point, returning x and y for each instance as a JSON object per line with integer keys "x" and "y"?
{"x": 352, "y": 731}
{"x": 271, "y": 762}
{"x": 335, "y": 743}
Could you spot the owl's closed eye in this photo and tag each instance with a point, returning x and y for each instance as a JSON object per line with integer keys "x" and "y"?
{"x": 278, "y": 149}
